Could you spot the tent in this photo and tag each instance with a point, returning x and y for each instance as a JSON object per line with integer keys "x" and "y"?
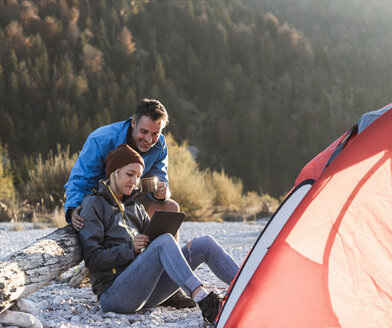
{"x": 325, "y": 257}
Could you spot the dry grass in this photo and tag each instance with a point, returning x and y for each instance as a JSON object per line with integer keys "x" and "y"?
{"x": 45, "y": 188}
{"x": 203, "y": 195}
{"x": 57, "y": 218}
{"x": 228, "y": 191}
{"x": 206, "y": 195}
{"x": 188, "y": 184}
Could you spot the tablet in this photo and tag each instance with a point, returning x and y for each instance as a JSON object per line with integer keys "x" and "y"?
{"x": 164, "y": 222}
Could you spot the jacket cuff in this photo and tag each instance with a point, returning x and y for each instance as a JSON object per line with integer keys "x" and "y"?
{"x": 131, "y": 246}
{"x": 151, "y": 196}
{"x": 68, "y": 214}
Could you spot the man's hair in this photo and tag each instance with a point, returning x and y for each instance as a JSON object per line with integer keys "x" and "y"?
{"x": 153, "y": 109}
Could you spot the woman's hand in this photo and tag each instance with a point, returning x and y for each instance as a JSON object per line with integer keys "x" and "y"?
{"x": 140, "y": 242}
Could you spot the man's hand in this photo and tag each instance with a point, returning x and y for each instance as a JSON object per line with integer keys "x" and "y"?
{"x": 161, "y": 190}
{"x": 140, "y": 242}
{"x": 76, "y": 219}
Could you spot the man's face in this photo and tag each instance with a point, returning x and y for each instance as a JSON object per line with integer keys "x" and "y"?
{"x": 146, "y": 132}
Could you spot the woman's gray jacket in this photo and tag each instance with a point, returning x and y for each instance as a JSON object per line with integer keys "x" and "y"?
{"x": 107, "y": 245}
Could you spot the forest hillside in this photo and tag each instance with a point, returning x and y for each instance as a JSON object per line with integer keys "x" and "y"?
{"x": 258, "y": 87}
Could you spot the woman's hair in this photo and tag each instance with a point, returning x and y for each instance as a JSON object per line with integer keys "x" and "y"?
{"x": 112, "y": 178}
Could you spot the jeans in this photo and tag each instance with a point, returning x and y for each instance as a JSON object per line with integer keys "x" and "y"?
{"x": 161, "y": 269}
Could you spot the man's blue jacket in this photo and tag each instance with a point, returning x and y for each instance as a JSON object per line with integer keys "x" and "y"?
{"x": 89, "y": 168}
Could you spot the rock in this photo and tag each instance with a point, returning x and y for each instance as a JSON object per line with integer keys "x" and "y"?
{"x": 58, "y": 300}
{"x": 137, "y": 317}
{"x": 109, "y": 315}
{"x": 87, "y": 293}
{"x": 192, "y": 323}
{"x": 169, "y": 319}
{"x": 27, "y": 306}
{"x": 123, "y": 322}
{"x": 172, "y": 325}
{"x": 155, "y": 317}
{"x": 95, "y": 317}
{"x": 44, "y": 304}
{"x": 157, "y": 311}
{"x": 67, "y": 316}
{"x": 19, "y": 319}
{"x": 136, "y": 324}
{"x": 75, "y": 318}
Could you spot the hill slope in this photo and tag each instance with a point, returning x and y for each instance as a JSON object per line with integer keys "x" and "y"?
{"x": 255, "y": 95}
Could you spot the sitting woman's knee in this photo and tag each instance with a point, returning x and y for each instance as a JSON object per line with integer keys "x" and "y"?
{"x": 203, "y": 242}
{"x": 208, "y": 240}
{"x": 164, "y": 238}
{"x": 189, "y": 244}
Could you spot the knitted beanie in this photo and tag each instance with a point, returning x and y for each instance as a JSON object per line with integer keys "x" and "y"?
{"x": 121, "y": 156}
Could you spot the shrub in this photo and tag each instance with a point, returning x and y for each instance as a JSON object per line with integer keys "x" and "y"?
{"x": 188, "y": 184}
{"x": 228, "y": 191}
{"x": 270, "y": 205}
{"x": 7, "y": 189}
{"x": 257, "y": 206}
{"x": 45, "y": 187}
{"x": 206, "y": 195}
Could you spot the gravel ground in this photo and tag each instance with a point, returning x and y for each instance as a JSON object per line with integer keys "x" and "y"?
{"x": 62, "y": 306}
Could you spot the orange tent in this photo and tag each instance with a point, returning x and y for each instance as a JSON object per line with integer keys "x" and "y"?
{"x": 325, "y": 257}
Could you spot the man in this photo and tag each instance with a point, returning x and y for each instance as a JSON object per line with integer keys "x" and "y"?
{"x": 142, "y": 132}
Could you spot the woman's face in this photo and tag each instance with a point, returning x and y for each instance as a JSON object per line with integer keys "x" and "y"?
{"x": 127, "y": 178}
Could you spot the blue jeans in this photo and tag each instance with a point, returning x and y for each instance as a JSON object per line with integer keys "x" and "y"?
{"x": 161, "y": 269}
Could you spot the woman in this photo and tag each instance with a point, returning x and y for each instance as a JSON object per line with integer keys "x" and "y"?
{"x": 128, "y": 272}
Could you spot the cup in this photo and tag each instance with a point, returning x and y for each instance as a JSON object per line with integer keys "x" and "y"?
{"x": 149, "y": 184}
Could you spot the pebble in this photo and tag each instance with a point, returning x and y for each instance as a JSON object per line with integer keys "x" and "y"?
{"x": 109, "y": 315}
{"x": 75, "y": 318}
{"x": 60, "y": 306}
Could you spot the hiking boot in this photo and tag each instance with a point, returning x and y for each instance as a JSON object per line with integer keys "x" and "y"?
{"x": 209, "y": 307}
{"x": 179, "y": 300}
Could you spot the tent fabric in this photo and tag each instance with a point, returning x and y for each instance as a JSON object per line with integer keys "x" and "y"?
{"x": 368, "y": 118}
{"x": 331, "y": 264}
{"x": 264, "y": 242}
{"x": 315, "y": 167}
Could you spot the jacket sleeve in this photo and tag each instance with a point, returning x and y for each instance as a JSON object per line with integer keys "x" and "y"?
{"x": 92, "y": 238}
{"x": 159, "y": 169}
{"x": 85, "y": 174}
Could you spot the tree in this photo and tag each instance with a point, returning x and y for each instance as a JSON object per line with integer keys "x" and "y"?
{"x": 15, "y": 36}
{"x": 7, "y": 127}
{"x": 124, "y": 39}
{"x": 93, "y": 60}
{"x": 159, "y": 69}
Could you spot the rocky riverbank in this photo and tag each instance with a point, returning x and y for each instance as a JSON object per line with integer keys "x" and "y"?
{"x": 59, "y": 305}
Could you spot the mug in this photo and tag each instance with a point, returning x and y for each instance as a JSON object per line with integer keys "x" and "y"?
{"x": 149, "y": 184}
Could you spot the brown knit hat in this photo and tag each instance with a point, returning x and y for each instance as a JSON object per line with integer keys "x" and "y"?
{"x": 121, "y": 156}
